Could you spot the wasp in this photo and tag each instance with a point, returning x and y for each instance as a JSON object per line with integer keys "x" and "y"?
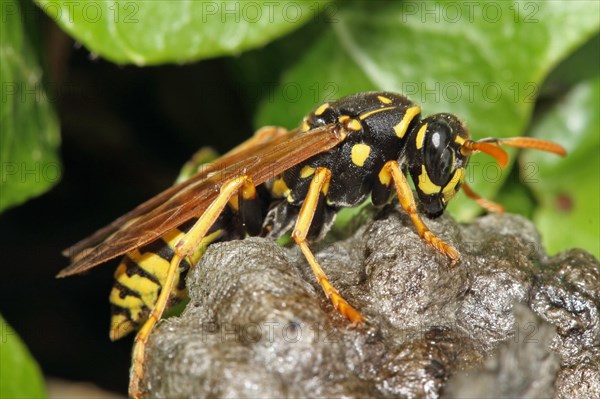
{"x": 365, "y": 144}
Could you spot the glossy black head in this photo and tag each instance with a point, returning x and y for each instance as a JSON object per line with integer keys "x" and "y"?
{"x": 435, "y": 161}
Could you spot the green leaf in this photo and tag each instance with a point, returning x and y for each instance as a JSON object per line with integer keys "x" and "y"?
{"x": 201, "y": 158}
{"x": 155, "y": 32}
{"x": 568, "y": 188}
{"x": 20, "y": 376}
{"x": 516, "y": 197}
{"x": 483, "y": 61}
{"x": 29, "y": 130}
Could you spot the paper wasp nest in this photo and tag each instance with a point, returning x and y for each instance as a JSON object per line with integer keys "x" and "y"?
{"x": 258, "y": 325}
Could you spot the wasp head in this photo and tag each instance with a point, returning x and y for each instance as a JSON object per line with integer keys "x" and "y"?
{"x": 436, "y": 163}
{"x": 440, "y": 154}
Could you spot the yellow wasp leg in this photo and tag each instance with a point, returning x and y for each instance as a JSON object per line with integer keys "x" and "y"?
{"x": 184, "y": 247}
{"x": 407, "y": 201}
{"x": 486, "y": 204}
{"x": 319, "y": 184}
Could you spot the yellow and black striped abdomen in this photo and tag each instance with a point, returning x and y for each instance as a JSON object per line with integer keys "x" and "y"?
{"x": 141, "y": 275}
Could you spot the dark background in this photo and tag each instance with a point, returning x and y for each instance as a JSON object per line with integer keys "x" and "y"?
{"x": 126, "y": 132}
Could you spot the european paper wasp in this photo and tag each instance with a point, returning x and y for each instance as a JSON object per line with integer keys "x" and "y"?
{"x": 280, "y": 181}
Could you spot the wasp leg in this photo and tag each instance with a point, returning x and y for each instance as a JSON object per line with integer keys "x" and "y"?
{"x": 486, "y": 204}
{"x": 184, "y": 247}
{"x": 319, "y": 185}
{"x": 407, "y": 201}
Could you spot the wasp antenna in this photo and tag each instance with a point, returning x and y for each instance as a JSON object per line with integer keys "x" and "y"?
{"x": 536, "y": 144}
{"x": 490, "y": 148}
{"x": 486, "y": 204}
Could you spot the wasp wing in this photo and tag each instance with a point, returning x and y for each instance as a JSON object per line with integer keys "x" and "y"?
{"x": 239, "y": 152}
{"x": 189, "y": 199}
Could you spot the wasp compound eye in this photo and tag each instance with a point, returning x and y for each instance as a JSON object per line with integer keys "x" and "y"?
{"x": 437, "y": 152}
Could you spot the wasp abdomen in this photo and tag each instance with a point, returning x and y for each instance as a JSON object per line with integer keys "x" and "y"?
{"x": 141, "y": 275}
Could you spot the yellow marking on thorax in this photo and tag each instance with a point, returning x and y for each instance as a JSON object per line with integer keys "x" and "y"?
{"x": 307, "y": 171}
{"x": 459, "y": 140}
{"x": 375, "y": 111}
{"x": 360, "y": 153}
{"x": 350, "y": 124}
{"x": 426, "y": 185}
{"x": 421, "y": 136}
{"x": 305, "y": 126}
{"x": 401, "y": 128}
{"x": 450, "y": 189}
{"x": 248, "y": 191}
{"x": 384, "y": 100}
{"x": 321, "y": 109}
{"x": 280, "y": 188}
{"x": 354, "y": 125}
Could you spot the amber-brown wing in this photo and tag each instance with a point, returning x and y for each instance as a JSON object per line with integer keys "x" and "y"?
{"x": 176, "y": 205}
{"x": 239, "y": 152}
